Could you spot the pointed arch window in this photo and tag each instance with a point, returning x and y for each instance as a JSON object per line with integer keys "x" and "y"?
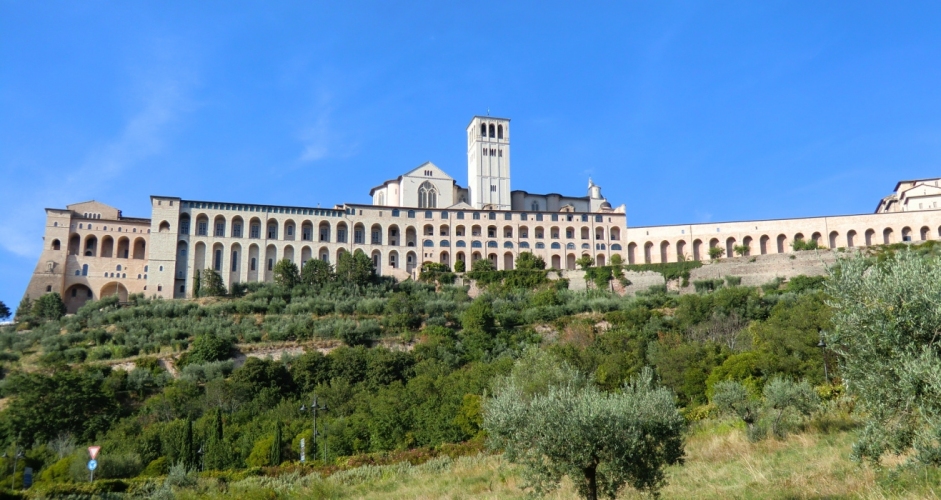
{"x": 427, "y": 195}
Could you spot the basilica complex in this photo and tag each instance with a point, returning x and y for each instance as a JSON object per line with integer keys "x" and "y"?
{"x": 91, "y": 250}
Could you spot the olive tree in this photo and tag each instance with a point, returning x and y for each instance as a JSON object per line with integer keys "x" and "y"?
{"x": 286, "y": 273}
{"x": 886, "y": 332}
{"x": 601, "y": 441}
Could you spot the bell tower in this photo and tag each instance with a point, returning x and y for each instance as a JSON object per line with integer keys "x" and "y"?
{"x": 488, "y": 162}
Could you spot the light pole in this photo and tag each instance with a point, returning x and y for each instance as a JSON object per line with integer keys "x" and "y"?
{"x": 823, "y": 350}
{"x": 17, "y": 454}
{"x": 314, "y": 408}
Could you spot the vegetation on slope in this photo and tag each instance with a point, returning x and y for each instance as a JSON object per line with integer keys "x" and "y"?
{"x": 61, "y": 393}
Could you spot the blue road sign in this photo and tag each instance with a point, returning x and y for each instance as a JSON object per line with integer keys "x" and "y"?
{"x": 28, "y": 477}
{"x": 92, "y": 464}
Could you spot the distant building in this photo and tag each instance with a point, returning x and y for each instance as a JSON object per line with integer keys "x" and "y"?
{"x": 91, "y": 250}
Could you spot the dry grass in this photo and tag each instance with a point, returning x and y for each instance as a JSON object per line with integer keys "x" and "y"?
{"x": 721, "y": 463}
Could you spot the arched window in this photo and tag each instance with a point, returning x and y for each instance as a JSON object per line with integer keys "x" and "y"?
{"x": 483, "y": 129}
{"x": 381, "y": 199}
{"x": 85, "y": 270}
{"x": 499, "y": 131}
{"x": 535, "y": 206}
{"x": 492, "y": 134}
{"x": 427, "y": 195}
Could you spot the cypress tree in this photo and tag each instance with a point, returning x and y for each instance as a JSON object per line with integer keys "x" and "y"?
{"x": 215, "y": 454}
{"x": 276, "y": 445}
{"x": 186, "y": 448}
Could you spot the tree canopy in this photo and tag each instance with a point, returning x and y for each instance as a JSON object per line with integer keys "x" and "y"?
{"x": 887, "y": 332}
{"x": 601, "y": 440}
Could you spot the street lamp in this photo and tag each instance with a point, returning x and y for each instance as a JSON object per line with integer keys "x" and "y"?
{"x": 17, "y": 454}
{"x": 823, "y": 350}
{"x": 313, "y": 409}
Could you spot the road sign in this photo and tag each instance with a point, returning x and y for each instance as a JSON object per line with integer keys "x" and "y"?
{"x": 92, "y": 464}
{"x": 28, "y": 477}
{"x": 93, "y": 451}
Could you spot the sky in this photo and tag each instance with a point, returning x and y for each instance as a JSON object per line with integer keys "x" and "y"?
{"x": 683, "y": 111}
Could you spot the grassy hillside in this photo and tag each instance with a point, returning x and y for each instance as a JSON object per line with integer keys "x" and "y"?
{"x": 172, "y": 387}
{"x": 721, "y": 463}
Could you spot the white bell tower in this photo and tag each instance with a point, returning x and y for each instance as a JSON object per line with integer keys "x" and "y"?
{"x": 488, "y": 162}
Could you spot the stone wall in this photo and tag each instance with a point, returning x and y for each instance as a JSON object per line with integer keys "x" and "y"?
{"x": 760, "y": 269}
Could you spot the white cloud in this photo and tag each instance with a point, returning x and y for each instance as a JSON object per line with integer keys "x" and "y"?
{"x": 161, "y": 100}
{"x": 315, "y": 140}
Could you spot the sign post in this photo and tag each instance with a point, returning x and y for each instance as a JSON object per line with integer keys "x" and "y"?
{"x": 93, "y": 463}
{"x": 302, "y": 450}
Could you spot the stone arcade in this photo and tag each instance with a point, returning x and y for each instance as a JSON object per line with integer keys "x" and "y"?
{"x": 91, "y": 250}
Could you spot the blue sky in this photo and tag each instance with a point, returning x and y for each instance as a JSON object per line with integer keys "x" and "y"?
{"x": 685, "y": 112}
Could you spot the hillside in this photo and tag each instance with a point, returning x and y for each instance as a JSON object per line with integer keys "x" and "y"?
{"x": 216, "y": 384}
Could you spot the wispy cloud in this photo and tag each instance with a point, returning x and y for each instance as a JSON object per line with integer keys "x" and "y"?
{"x": 315, "y": 140}
{"x": 161, "y": 97}
{"x": 323, "y": 137}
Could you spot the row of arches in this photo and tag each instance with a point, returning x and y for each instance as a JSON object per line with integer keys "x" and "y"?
{"x": 123, "y": 248}
{"x": 667, "y": 251}
{"x": 272, "y": 229}
{"x": 488, "y": 130}
{"x": 392, "y": 234}
{"x": 256, "y": 263}
{"x": 78, "y": 294}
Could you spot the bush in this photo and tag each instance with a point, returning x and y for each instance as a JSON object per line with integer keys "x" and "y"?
{"x": 49, "y": 307}
{"x": 209, "y": 347}
{"x": 459, "y": 266}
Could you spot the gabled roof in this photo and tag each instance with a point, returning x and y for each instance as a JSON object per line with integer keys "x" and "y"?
{"x": 899, "y": 183}
{"x": 423, "y": 166}
{"x": 921, "y": 186}
{"x": 461, "y": 205}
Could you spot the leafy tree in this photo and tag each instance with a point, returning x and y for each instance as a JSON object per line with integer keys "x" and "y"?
{"x": 479, "y": 316}
{"x": 800, "y": 244}
{"x": 787, "y": 341}
{"x": 24, "y": 309}
{"x": 209, "y": 347}
{"x": 617, "y": 260}
{"x": 741, "y": 250}
{"x": 211, "y": 284}
{"x": 275, "y": 457}
{"x": 886, "y": 332}
{"x": 601, "y": 441}
{"x": 258, "y": 374}
{"x": 782, "y": 400}
{"x": 317, "y": 272}
{"x": 585, "y": 262}
{"x": 4, "y": 311}
{"x": 286, "y": 274}
{"x": 783, "y": 396}
{"x": 356, "y": 269}
{"x": 401, "y": 312}
{"x": 49, "y": 307}
{"x": 459, "y": 266}
{"x": 482, "y": 265}
{"x": 527, "y": 261}
{"x": 716, "y": 253}
{"x": 731, "y": 397}
{"x": 44, "y": 406}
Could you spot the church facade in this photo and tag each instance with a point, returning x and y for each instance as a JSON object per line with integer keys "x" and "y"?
{"x": 91, "y": 250}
